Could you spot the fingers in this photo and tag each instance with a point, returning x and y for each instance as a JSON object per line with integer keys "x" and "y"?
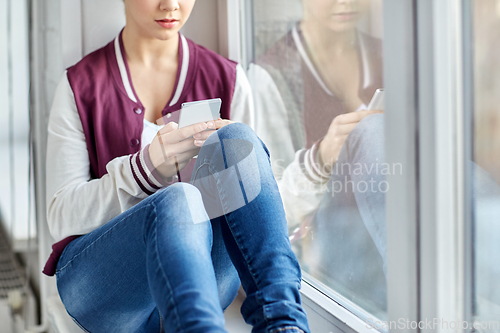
{"x": 181, "y": 157}
{"x": 354, "y": 117}
{"x": 184, "y": 158}
{"x": 219, "y": 123}
{"x": 347, "y": 128}
{"x": 203, "y": 135}
{"x": 171, "y": 134}
{"x": 170, "y": 127}
{"x": 183, "y": 133}
{"x": 211, "y": 124}
{"x": 365, "y": 113}
{"x": 180, "y": 147}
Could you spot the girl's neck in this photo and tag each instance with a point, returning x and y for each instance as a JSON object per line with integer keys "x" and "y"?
{"x": 149, "y": 51}
{"x": 322, "y": 40}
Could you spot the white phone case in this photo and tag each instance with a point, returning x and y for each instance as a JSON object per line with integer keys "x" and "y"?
{"x": 378, "y": 100}
{"x": 199, "y": 111}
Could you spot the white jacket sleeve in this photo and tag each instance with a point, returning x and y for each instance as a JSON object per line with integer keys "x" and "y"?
{"x": 301, "y": 189}
{"x": 76, "y": 204}
{"x": 242, "y": 102}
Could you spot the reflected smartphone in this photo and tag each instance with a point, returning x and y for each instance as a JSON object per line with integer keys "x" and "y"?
{"x": 199, "y": 111}
{"x": 377, "y": 102}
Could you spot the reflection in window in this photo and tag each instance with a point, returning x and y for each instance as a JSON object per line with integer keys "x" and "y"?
{"x": 317, "y": 65}
{"x": 486, "y": 155}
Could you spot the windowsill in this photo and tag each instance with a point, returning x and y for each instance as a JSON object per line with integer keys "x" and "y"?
{"x": 326, "y": 315}
{"x": 61, "y": 322}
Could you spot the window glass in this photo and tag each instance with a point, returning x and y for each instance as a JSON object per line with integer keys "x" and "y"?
{"x": 14, "y": 121}
{"x": 486, "y": 166}
{"x": 317, "y": 65}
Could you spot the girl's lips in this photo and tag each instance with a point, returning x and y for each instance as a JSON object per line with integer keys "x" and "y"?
{"x": 348, "y": 16}
{"x": 167, "y": 24}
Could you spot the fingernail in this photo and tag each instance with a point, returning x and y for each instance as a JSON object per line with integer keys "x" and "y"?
{"x": 203, "y": 126}
{"x": 197, "y": 136}
{"x": 210, "y": 124}
{"x": 198, "y": 143}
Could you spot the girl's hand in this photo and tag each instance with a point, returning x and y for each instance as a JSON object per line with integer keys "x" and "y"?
{"x": 219, "y": 123}
{"x": 177, "y": 145}
{"x": 341, "y": 126}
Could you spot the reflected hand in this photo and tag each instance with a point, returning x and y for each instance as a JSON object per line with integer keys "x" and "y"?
{"x": 341, "y": 126}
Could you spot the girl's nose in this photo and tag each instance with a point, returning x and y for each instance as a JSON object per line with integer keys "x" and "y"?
{"x": 169, "y": 5}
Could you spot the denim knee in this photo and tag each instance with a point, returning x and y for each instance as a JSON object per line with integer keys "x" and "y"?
{"x": 369, "y": 131}
{"x": 372, "y": 124}
{"x": 239, "y": 131}
{"x": 181, "y": 201}
{"x": 177, "y": 193}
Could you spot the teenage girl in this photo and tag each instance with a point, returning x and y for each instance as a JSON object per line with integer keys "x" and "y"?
{"x": 137, "y": 250}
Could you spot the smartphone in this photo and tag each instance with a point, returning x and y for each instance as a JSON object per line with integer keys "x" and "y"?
{"x": 199, "y": 111}
{"x": 377, "y": 102}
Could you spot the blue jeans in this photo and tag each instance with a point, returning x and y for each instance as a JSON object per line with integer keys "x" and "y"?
{"x": 174, "y": 261}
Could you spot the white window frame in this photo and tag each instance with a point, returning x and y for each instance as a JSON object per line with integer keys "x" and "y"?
{"x": 446, "y": 238}
{"x": 230, "y": 39}
{"x": 429, "y": 257}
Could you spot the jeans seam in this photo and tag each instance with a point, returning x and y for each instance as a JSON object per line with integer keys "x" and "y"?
{"x": 179, "y": 323}
{"x": 161, "y": 322}
{"x": 77, "y": 322}
{"x": 236, "y": 240}
{"x": 221, "y": 196}
{"x": 207, "y": 163}
{"x": 95, "y": 240}
{"x": 195, "y": 172}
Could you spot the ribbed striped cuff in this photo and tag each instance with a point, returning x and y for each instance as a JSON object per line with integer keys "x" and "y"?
{"x": 308, "y": 160}
{"x": 146, "y": 176}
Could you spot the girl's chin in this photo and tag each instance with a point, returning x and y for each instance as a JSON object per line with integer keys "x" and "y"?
{"x": 335, "y": 26}
{"x": 342, "y": 26}
{"x": 166, "y": 35}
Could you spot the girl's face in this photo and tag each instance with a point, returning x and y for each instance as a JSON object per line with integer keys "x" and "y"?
{"x": 161, "y": 19}
{"x": 336, "y": 15}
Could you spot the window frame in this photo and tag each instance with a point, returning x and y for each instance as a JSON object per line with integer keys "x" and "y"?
{"x": 401, "y": 133}
{"x": 230, "y": 42}
{"x": 446, "y": 101}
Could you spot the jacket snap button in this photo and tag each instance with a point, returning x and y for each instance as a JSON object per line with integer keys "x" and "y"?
{"x": 169, "y": 115}
{"x": 137, "y": 110}
{"x": 134, "y": 142}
